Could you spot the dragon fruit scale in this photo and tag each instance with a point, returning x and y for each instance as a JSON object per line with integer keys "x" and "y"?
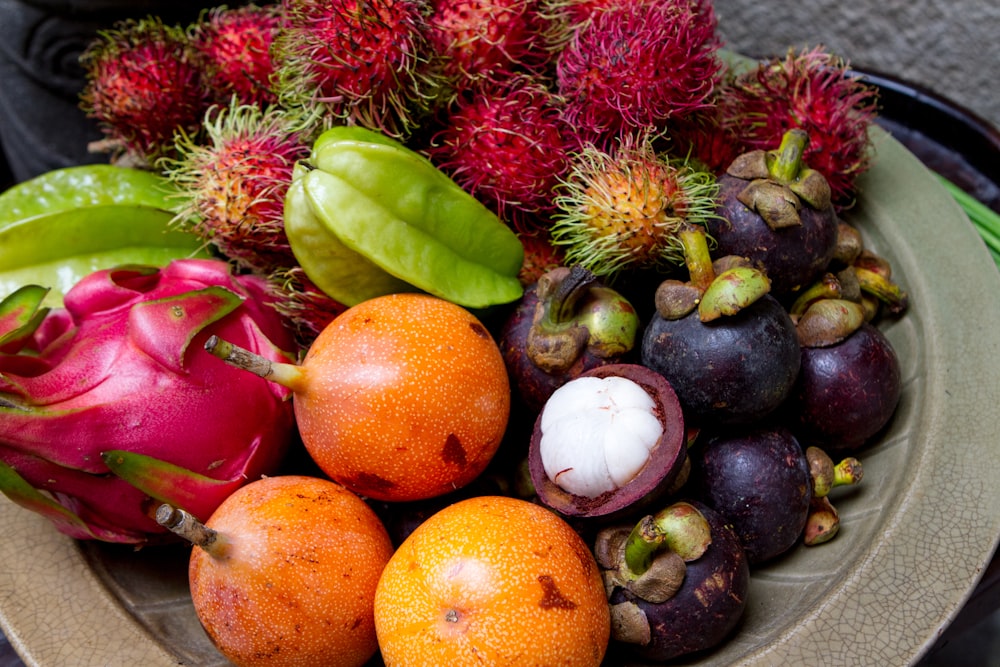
{"x": 110, "y": 406}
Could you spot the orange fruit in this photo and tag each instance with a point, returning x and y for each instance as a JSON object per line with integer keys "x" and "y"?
{"x": 492, "y": 581}
{"x": 405, "y": 397}
{"x": 293, "y": 578}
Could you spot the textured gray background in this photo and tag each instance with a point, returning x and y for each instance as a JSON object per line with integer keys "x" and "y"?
{"x": 951, "y": 47}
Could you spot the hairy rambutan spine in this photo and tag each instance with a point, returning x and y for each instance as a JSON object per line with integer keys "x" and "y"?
{"x": 812, "y": 90}
{"x": 623, "y": 208}
{"x": 354, "y": 62}
{"x": 636, "y": 65}
{"x": 305, "y": 308}
{"x": 144, "y": 82}
{"x": 507, "y": 145}
{"x": 236, "y": 46}
{"x": 481, "y": 41}
{"x": 232, "y": 184}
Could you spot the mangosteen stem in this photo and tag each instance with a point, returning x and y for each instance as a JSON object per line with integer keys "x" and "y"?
{"x": 287, "y": 375}
{"x": 882, "y": 288}
{"x": 826, "y": 475}
{"x": 185, "y": 525}
{"x": 697, "y": 257}
{"x": 827, "y": 287}
{"x": 679, "y": 527}
{"x": 788, "y": 157}
{"x": 566, "y": 290}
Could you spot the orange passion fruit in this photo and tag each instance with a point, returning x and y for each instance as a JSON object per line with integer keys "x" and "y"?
{"x": 284, "y": 572}
{"x": 407, "y": 397}
{"x": 401, "y": 397}
{"x": 492, "y": 580}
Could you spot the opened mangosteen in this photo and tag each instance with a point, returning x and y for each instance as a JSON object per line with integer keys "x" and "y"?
{"x": 777, "y": 212}
{"x": 850, "y": 382}
{"x": 608, "y": 442}
{"x": 564, "y": 325}
{"x": 727, "y": 347}
{"x": 764, "y": 483}
{"x": 678, "y": 581}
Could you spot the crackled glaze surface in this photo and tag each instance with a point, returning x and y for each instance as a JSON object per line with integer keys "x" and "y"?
{"x": 916, "y": 533}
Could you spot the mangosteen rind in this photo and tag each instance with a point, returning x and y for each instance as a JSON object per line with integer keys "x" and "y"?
{"x": 736, "y": 369}
{"x": 708, "y": 606}
{"x": 758, "y": 479}
{"x": 791, "y": 256}
{"x": 657, "y": 476}
{"x": 846, "y": 393}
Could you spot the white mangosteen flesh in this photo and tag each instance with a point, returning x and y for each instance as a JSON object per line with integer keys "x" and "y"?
{"x": 597, "y": 434}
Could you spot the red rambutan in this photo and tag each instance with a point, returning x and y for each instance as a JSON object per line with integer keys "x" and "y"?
{"x": 305, "y": 308}
{"x": 812, "y": 90}
{"x": 624, "y": 209}
{"x": 637, "y": 64}
{"x": 143, "y": 83}
{"x": 352, "y": 61}
{"x": 540, "y": 256}
{"x": 236, "y": 46}
{"x": 485, "y": 40}
{"x": 506, "y": 144}
{"x": 231, "y": 186}
{"x": 705, "y": 138}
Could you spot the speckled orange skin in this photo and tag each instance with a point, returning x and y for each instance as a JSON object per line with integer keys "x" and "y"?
{"x": 297, "y": 583}
{"x": 492, "y": 581}
{"x": 405, "y": 397}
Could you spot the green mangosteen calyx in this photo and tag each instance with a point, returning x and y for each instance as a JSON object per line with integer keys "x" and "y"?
{"x": 576, "y": 313}
{"x": 716, "y": 288}
{"x": 828, "y": 321}
{"x": 649, "y": 559}
{"x": 779, "y": 183}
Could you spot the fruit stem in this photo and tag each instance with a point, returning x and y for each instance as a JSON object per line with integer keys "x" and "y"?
{"x": 287, "y": 375}
{"x": 185, "y": 525}
{"x": 827, "y": 287}
{"x": 679, "y": 527}
{"x": 826, "y": 475}
{"x": 696, "y": 256}
{"x": 566, "y": 290}
{"x": 882, "y": 288}
{"x": 788, "y": 158}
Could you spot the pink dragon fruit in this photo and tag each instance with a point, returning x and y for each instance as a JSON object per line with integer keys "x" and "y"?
{"x": 110, "y": 405}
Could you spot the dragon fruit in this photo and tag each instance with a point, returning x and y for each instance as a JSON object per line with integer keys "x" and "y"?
{"x": 110, "y": 405}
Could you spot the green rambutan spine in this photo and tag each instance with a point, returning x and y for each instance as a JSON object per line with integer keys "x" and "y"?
{"x": 623, "y": 209}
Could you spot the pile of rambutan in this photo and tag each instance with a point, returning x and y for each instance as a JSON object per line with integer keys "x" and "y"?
{"x": 594, "y": 128}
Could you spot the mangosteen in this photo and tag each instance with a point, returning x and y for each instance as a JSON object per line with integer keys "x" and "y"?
{"x": 759, "y": 480}
{"x": 777, "y": 212}
{"x": 565, "y": 324}
{"x": 678, "y": 581}
{"x": 608, "y": 442}
{"x": 849, "y": 384}
{"x": 728, "y": 348}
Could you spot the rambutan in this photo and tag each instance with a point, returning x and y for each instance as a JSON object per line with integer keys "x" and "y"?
{"x": 352, "y": 61}
{"x": 143, "y": 83}
{"x": 231, "y": 186}
{"x": 638, "y": 64}
{"x": 705, "y": 138}
{"x": 540, "y": 256}
{"x": 485, "y": 40}
{"x": 236, "y": 46}
{"x": 813, "y": 90}
{"x": 623, "y": 209}
{"x": 305, "y": 308}
{"x": 507, "y": 145}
